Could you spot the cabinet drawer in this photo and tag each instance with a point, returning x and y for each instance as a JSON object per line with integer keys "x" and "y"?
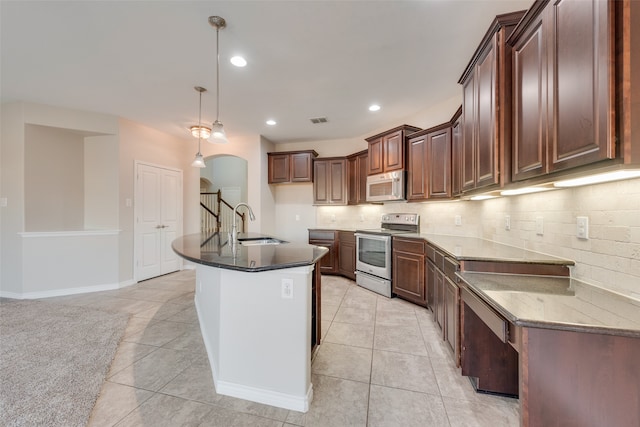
{"x": 431, "y": 252}
{"x": 347, "y": 237}
{"x": 322, "y": 234}
{"x": 493, "y": 320}
{"x": 450, "y": 268}
{"x": 439, "y": 260}
{"x": 415, "y": 246}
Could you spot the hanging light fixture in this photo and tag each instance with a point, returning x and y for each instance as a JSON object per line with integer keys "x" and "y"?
{"x": 217, "y": 130}
{"x": 199, "y": 131}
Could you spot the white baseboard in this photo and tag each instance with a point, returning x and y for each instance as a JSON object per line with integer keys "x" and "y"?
{"x": 67, "y": 291}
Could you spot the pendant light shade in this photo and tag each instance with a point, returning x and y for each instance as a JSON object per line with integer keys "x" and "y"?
{"x": 199, "y": 131}
{"x": 217, "y": 130}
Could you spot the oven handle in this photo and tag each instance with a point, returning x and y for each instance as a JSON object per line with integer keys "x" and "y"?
{"x": 380, "y": 237}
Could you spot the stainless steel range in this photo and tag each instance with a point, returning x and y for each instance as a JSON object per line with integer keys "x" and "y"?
{"x": 373, "y": 251}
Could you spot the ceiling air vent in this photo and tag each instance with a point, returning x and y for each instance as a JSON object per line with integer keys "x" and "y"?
{"x": 317, "y": 120}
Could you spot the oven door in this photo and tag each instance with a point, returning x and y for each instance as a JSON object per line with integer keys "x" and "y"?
{"x": 373, "y": 254}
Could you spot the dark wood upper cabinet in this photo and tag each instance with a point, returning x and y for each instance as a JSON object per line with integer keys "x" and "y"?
{"x": 290, "y": 166}
{"x": 563, "y": 87}
{"x": 387, "y": 151}
{"x": 330, "y": 183}
{"x": 429, "y": 163}
{"x": 486, "y": 117}
{"x": 357, "y": 177}
{"x": 456, "y": 153}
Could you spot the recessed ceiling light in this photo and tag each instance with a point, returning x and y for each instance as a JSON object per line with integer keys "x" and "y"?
{"x": 374, "y": 107}
{"x": 271, "y": 122}
{"x": 238, "y": 61}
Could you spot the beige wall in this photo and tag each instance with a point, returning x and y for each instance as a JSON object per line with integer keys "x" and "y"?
{"x": 54, "y": 179}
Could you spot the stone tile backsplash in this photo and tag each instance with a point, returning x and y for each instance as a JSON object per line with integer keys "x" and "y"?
{"x": 610, "y": 258}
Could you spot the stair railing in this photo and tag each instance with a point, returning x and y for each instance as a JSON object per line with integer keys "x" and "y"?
{"x": 217, "y": 213}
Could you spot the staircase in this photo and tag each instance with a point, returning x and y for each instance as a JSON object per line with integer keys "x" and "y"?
{"x": 217, "y": 215}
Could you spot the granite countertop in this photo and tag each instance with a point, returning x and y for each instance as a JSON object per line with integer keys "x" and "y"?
{"x": 213, "y": 249}
{"x": 556, "y": 303}
{"x": 476, "y": 249}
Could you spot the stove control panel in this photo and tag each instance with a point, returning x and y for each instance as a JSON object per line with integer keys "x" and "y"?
{"x": 401, "y": 218}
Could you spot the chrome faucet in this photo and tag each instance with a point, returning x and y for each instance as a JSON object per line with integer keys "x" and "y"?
{"x": 234, "y": 227}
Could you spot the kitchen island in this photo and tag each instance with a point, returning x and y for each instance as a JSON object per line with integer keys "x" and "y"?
{"x": 258, "y": 309}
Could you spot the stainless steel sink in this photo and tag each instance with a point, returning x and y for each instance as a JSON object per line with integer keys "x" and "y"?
{"x": 259, "y": 241}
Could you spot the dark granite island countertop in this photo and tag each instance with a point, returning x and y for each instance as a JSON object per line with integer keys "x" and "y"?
{"x": 556, "y": 303}
{"x": 214, "y": 249}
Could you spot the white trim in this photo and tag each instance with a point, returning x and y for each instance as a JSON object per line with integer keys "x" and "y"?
{"x": 67, "y": 291}
{"x": 69, "y": 233}
{"x": 267, "y": 397}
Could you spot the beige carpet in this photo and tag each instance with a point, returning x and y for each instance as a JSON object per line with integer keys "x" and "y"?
{"x": 53, "y": 360}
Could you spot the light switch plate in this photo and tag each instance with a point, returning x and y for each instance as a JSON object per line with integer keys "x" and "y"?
{"x": 458, "y": 220}
{"x": 582, "y": 227}
{"x": 507, "y": 222}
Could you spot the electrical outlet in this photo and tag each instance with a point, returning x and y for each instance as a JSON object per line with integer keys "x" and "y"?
{"x": 361, "y": 218}
{"x": 507, "y": 222}
{"x": 333, "y": 218}
{"x": 287, "y": 288}
{"x": 297, "y": 217}
{"x": 3, "y": 202}
{"x": 539, "y": 226}
{"x": 458, "y": 220}
{"x": 582, "y": 227}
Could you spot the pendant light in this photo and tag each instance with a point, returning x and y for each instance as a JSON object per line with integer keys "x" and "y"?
{"x": 200, "y": 131}
{"x": 217, "y": 130}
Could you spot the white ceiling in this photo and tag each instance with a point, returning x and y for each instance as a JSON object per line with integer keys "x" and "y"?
{"x": 141, "y": 59}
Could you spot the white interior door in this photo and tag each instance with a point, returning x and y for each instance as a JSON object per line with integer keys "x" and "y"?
{"x": 158, "y": 220}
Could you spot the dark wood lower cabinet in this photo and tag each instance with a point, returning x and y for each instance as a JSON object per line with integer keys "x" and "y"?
{"x": 347, "y": 254}
{"x": 408, "y": 268}
{"x": 329, "y": 240}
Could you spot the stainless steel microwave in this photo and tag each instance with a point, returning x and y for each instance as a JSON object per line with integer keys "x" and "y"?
{"x": 385, "y": 187}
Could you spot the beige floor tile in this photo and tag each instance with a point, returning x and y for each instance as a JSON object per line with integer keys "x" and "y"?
{"x": 328, "y": 311}
{"x": 184, "y": 299}
{"x": 127, "y": 354}
{"x": 191, "y": 340}
{"x": 343, "y": 361}
{"x": 187, "y": 315}
{"x": 396, "y": 317}
{"x": 324, "y": 329}
{"x": 350, "y": 334}
{"x": 404, "y": 371}
{"x": 162, "y": 410}
{"x": 194, "y": 383}
{"x": 161, "y": 311}
{"x": 359, "y": 316}
{"x": 222, "y": 417}
{"x": 450, "y": 381}
{"x": 115, "y": 402}
{"x": 336, "y": 402}
{"x": 154, "y": 371}
{"x": 253, "y": 408}
{"x": 159, "y": 333}
{"x": 484, "y": 413}
{"x": 403, "y": 339}
{"x": 147, "y": 294}
{"x": 390, "y": 407}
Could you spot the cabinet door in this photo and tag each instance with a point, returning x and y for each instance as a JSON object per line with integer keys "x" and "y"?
{"x": 393, "y": 151}
{"x": 430, "y": 285}
{"x": 362, "y": 178}
{"x": 529, "y": 103}
{"x": 352, "y": 181}
{"x": 321, "y": 182}
{"x": 439, "y": 298}
{"x": 582, "y": 94}
{"x": 376, "y": 162}
{"x": 417, "y": 169}
{"x": 468, "y": 134}
{"x": 278, "y": 168}
{"x": 338, "y": 182}
{"x": 452, "y": 314}
{"x": 439, "y": 164}
{"x": 486, "y": 144}
{"x": 456, "y": 157}
{"x": 347, "y": 254}
{"x": 408, "y": 276}
{"x": 301, "y": 170}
